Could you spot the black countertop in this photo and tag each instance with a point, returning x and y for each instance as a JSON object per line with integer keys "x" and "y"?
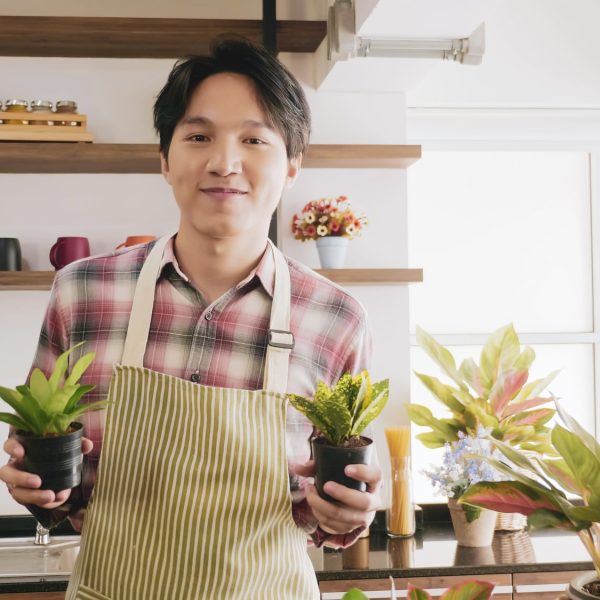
{"x": 431, "y": 552}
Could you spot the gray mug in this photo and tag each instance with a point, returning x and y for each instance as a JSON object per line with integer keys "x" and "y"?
{"x": 10, "y": 254}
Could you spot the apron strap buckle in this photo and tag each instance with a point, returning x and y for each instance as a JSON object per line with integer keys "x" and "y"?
{"x": 279, "y": 338}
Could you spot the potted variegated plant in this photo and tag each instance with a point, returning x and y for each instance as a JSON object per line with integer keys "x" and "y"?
{"x": 340, "y": 414}
{"x": 495, "y": 394}
{"x": 561, "y": 491}
{"x": 45, "y": 416}
{"x": 466, "y": 590}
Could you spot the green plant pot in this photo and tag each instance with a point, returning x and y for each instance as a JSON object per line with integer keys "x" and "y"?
{"x": 576, "y": 590}
{"x": 57, "y": 460}
{"x": 330, "y": 462}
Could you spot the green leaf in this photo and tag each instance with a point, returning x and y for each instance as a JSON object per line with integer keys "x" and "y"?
{"x": 432, "y": 439}
{"x": 76, "y": 396}
{"x": 26, "y": 408}
{"x": 444, "y": 393}
{"x": 79, "y": 368}
{"x": 541, "y": 519}
{"x": 312, "y": 412}
{"x": 525, "y": 359}
{"x": 374, "y": 409}
{"x": 441, "y": 356}
{"x": 83, "y": 408}
{"x": 415, "y": 593}
{"x": 339, "y": 418}
{"x": 39, "y": 386}
{"x": 583, "y": 463}
{"x": 499, "y": 352}
{"x": 470, "y": 373}
{"x": 60, "y": 367}
{"x": 472, "y": 513}
{"x": 559, "y": 470}
{"x": 421, "y": 415}
{"x": 505, "y": 388}
{"x": 588, "y": 440}
{"x": 14, "y": 420}
{"x": 469, "y": 590}
{"x": 354, "y": 594}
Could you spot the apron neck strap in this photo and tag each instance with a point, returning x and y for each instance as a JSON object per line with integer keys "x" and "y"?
{"x": 280, "y": 338}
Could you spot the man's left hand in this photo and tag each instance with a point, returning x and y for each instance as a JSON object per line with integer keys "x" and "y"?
{"x": 353, "y": 508}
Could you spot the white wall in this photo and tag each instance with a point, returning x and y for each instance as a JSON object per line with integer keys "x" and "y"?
{"x": 106, "y": 208}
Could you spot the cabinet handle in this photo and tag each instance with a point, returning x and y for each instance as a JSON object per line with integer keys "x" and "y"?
{"x": 541, "y": 587}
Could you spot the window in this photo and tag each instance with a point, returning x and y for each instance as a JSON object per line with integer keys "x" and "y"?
{"x": 504, "y": 237}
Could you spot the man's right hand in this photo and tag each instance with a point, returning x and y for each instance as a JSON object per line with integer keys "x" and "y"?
{"x": 23, "y": 486}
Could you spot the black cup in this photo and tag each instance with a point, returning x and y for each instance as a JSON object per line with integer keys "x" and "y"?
{"x": 10, "y": 254}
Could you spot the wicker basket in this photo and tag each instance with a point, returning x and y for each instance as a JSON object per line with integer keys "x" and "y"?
{"x": 511, "y": 548}
{"x": 510, "y": 522}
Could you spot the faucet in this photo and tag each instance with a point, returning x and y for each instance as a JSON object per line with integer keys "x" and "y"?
{"x": 42, "y": 536}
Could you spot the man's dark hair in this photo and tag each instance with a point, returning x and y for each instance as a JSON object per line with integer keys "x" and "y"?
{"x": 278, "y": 92}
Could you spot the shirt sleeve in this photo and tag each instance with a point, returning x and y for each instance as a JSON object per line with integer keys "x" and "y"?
{"x": 358, "y": 359}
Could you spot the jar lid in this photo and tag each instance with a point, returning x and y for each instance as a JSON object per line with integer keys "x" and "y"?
{"x": 16, "y": 102}
{"x": 41, "y": 104}
{"x": 71, "y": 104}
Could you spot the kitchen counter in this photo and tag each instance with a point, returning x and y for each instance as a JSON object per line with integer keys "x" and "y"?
{"x": 432, "y": 553}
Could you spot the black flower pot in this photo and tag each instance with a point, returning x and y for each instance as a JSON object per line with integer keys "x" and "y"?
{"x": 57, "y": 460}
{"x": 330, "y": 462}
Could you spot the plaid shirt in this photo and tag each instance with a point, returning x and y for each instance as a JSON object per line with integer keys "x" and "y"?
{"x": 222, "y": 344}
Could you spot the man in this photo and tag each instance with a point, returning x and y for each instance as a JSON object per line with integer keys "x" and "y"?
{"x": 197, "y": 325}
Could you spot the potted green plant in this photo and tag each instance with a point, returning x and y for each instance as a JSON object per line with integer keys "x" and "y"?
{"x": 466, "y": 590}
{"x": 45, "y": 416}
{"x": 340, "y": 414}
{"x": 463, "y": 465}
{"x": 495, "y": 394}
{"x": 561, "y": 491}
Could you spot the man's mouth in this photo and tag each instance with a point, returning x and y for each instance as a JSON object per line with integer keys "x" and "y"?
{"x": 223, "y": 193}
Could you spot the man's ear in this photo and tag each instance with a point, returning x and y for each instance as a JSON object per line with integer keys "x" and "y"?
{"x": 293, "y": 171}
{"x": 164, "y": 167}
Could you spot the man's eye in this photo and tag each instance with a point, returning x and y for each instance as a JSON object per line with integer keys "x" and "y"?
{"x": 255, "y": 141}
{"x": 198, "y": 137}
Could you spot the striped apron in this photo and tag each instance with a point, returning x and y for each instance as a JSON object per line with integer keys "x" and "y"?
{"x": 192, "y": 498}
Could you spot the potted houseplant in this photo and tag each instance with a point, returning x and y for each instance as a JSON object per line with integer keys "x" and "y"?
{"x": 561, "y": 491}
{"x": 331, "y": 222}
{"x": 495, "y": 394}
{"x": 340, "y": 414}
{"x": 45, "y": 416}
{"x": 462, "y": 466}
{"x": 466, "y": 590}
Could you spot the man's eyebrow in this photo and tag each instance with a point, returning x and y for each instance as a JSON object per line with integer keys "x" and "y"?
{"x": 199, "y": 120}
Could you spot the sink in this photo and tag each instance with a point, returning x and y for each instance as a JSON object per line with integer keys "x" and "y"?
{"x": 21, "y": 560}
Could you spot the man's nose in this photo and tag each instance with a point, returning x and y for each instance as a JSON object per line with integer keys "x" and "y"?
{"x": 225, "y": 158}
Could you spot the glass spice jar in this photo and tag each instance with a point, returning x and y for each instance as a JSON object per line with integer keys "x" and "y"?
{"x": 67, "y": 106}
{"x": 16, "y": 105}
{"x": 41, "y": 106}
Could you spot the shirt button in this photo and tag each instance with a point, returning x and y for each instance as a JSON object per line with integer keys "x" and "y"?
{"x": 208, "y": 316}
{"x": 195, "y": 377}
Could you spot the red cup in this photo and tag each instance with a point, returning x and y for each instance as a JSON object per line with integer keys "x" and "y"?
{"x": 68, "y": 249}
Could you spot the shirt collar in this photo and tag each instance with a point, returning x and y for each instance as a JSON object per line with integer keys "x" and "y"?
{"x": 264, "y": 271}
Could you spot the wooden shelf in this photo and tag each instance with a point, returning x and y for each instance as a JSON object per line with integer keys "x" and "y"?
{"x": 109, "y": 37}
{"x": 52, "y": 157}
{"x": 42, "y": 280}
{"x": 26, "y": 280}
{"x": 373, "y": 276}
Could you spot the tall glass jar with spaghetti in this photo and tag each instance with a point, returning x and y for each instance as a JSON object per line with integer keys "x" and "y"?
{"x": 400, "y": 511}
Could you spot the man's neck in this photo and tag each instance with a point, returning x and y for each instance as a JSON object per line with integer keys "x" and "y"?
{"x": 216, "y": 265}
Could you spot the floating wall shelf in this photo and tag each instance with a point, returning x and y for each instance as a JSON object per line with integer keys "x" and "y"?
{"x": 42, "y": 280}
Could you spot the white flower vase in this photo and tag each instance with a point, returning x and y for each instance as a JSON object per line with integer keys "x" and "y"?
{"x": 332, "y": 251}
{"x": 479, "y": 532}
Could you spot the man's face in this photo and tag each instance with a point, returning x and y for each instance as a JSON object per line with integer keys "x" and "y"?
{"x": 226, "y": 166}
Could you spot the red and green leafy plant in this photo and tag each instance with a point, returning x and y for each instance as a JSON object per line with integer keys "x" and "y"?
{"x": 494, "y": 394}
{"x": 467, "y": 590}
{"x": 561, "y": 492}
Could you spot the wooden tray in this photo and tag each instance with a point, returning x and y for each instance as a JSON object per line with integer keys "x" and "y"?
{"x": 44, "y": 133}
